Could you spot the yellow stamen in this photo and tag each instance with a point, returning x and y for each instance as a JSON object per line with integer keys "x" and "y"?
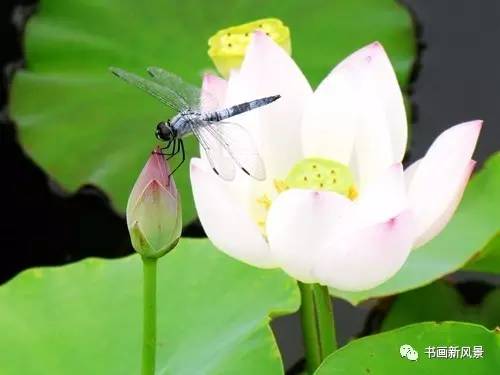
{"x": 313, "y": 174}
{"x": 353, "y": 193}
{"x": 320, "y": 174}
{"x": 265, "y": 201}
{"x": 280, "y": 186}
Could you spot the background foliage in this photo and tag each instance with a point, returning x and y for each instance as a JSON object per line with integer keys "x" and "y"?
{"x": 375, "y": 354}
{"x": 85, "y": 318}
{"x": 84, "y": 126}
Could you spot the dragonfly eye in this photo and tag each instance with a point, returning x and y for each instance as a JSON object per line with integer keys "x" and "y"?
{"x": 158, "y": 131}
{"x": 164, "y": 131}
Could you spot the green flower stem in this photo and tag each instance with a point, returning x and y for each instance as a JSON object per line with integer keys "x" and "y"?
{"x": 149, "y": 317}
{"x": 318, "y": 328}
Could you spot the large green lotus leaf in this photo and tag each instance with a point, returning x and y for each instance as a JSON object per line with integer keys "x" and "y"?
{"x": 475, "y": 224}
{"x": 379, "y": 354}
{"x": 86, "y": 318}
{"x": 84, "y": 126}
{"x": 440, "y": 302}
{"x": 488, "y": 259}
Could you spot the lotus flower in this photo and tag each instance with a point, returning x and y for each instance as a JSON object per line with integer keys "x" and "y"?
{"x": 336, "y": 207}
{"x": 154, "y": 215}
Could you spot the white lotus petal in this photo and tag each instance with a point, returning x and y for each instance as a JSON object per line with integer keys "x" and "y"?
{"x": 410, "y": 172}
{"x": 225, "y": 221}
{"x": 451, "y": 195}
{"x": 362, "y": 258}
{"x": 268, "y": 70}
{"x": 440, "y": 176}
{"x": 384, "y": 197}
{"x": 298, "y": 223}
{"x": 213, "y": 92}
{"x": 331, "y": 118}
{"x": 382, "y": 133}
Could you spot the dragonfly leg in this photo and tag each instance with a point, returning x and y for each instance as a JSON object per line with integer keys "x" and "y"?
{"x": 161, "y": 152}
{"x": 175, "y": 149}
{"x": 180, "y": 148}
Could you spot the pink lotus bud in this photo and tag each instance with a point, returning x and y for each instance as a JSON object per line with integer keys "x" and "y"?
{"x": 154, "y": 215}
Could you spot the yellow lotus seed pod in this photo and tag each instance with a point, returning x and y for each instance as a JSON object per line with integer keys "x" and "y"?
{"x": 322, "y": 175}
{"x": 227, "y": 47}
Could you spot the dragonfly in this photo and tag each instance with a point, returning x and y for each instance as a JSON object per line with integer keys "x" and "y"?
{"x": 227, "y": 145}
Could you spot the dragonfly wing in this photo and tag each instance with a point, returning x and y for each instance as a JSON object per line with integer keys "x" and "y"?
{"x": 220, "y": 161}
{"x": 163, "y": 93}
{"x": 239, "y": 144}
{"x": 196, "y": 98}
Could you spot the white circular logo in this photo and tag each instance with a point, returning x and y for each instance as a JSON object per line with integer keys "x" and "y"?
{"x": 408, "y": 352}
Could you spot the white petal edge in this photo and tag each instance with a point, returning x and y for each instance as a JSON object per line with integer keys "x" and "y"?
{"x": 298, "y": 223}
{"x": 331, "y": 118}
{"x": 410, "y": 172}
{"x": 225, "y": 221}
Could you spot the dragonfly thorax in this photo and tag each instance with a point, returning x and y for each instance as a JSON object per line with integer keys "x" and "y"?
{"x": 182, "y": 123}
{"x": 165, "y": 132}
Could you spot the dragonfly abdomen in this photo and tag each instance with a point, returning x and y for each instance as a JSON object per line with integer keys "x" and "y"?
{"x": 240, "y": 108}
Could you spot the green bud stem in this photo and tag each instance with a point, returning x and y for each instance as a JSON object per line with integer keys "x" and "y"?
{"x": 318, "y": 328}
{"x": 149, "y": 317}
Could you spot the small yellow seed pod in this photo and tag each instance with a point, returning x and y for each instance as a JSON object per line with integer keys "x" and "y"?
{"x": 227, "y": 47}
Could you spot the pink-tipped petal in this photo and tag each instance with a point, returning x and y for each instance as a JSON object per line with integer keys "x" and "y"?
{"x": 427, "y": 230}
{"x": 387, "y": 88}
{"x": 156, "y": 168}
{"x": 268, "y": 70}
{"x": 155, "y": 212}
{"x": 440, "y": 177}
{"x": 213, "y": 97}
{"x": 382, "y": 130}
{"x": 224, "y": 219}
{"x": 360, "y": 259}
{"x": 213, "y": 94}
{"x": 298, "y": 224}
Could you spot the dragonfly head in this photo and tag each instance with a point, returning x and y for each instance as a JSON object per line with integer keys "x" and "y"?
{"x": 164, "y": 131}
